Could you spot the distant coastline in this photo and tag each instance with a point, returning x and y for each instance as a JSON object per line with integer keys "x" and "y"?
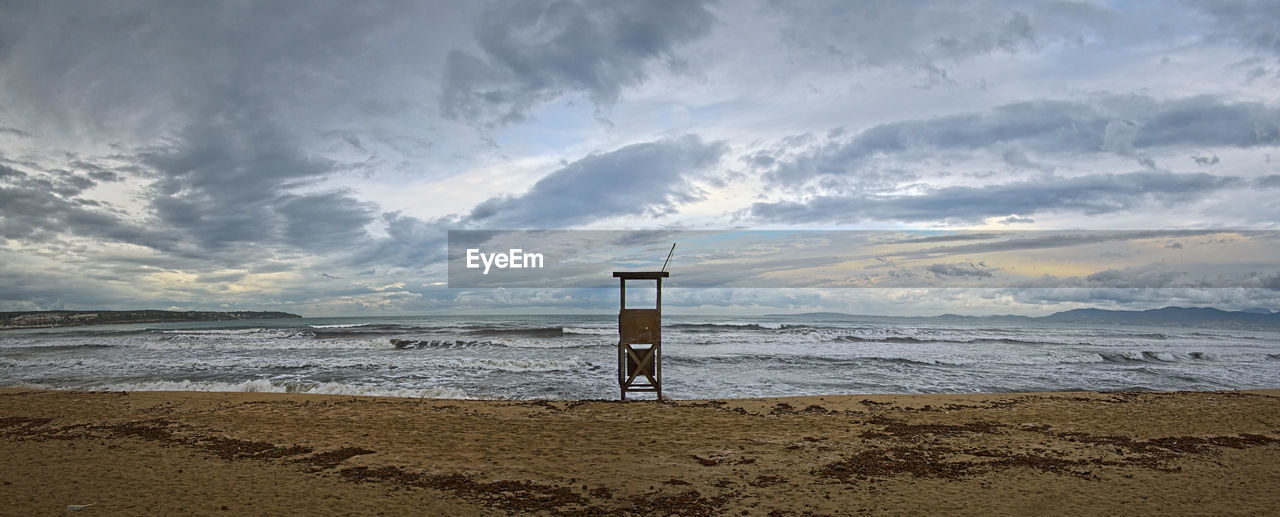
{"x": 46, "y": 319}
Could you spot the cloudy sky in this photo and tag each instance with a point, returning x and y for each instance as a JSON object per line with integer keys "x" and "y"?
{"x": 311, "y": 156}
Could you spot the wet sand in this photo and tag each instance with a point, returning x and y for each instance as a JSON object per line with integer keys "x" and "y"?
{"x": 189, "y": 453}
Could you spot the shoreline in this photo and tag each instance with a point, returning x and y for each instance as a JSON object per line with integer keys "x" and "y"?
{"x": 210, "y": 453}
{"x": 20, "y": 388}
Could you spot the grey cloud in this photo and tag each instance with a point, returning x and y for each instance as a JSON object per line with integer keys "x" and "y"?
{"x": 924, "y": 37}
{"x": 532, "y": 52}
{"x": 39, "y": 208}
{"x": 1125, "y": 125}
{"x": 955, "y": 237}
{"x": 135, "y": 73}
{"x": 14, "y": 132}
{"x": 1160, "y": 276}
{"x": 1206, "y": 161}
{"x": 1268, "y": 181}
{"x": 410, "y": 243}
{"x": 1090, "y": 194}
{"x": 1050, "y": 239}
{"x": 54, "y": 289}
{"x": 100, "y": 172}
{"x": 1118, "y": 137}
{"x": 229, "y": 181}
{"x": 332, "y": 221}
{"x": 960, "y": 269}
{"x": 1250, "y": 22}
{"x": 648, "y": 179}
{"x": 1148, "y": 276}
{"x": 222, "y": 190}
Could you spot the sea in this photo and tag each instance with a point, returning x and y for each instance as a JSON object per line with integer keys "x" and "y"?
{"x": 575, "y": 356}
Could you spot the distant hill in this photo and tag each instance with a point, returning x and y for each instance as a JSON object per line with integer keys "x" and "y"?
{"x": 38, "y": 319}
{"x": 1168, "y": 316}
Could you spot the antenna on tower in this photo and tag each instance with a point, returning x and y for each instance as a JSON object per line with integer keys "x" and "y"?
{"x": 668, "y": 261}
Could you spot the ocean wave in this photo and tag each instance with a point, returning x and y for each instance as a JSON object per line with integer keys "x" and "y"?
{"x": 245, "y": 333}
{"x": 1148, "y": 335}
{"x": 46, "y": 347}
{"x": 215, "y": 332}
{"x": 947, "y": 340}
{"x": 339, "y": 326}
{"x": 527, "y": 332}
{"x": 716, "y": 327}
{"x": 268, "y": 386}
{"x": 854, "y": 361}
{"x": 592, "y": 331}
{"x": 516, "y": 365}
{"x": 410, "y": 344}
{"x": 1146, "y": 356}
{"x": 281, "y": 343}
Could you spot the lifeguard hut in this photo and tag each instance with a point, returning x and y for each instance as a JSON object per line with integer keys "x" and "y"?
{"x": 640, "y": 367}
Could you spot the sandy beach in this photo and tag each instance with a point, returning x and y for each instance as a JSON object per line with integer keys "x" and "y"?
{"x": 171, "y": 453}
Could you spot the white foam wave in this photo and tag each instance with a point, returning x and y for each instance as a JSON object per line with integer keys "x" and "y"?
{"x": 220, "y": 332}
{"x": 514, "y": 365}
{"x": 267, "y": 386}
{"x": 546, "y": 343}
{"x": 338, "y": 326}
{"x": 300, "y": 342}
{"x": 591, "y": 331}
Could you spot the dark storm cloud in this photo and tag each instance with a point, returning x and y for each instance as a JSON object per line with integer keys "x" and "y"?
{"x": 1268, "y": 181}
{"x": 1150, "y": 276}
{"x": 40, "y": 207}
{"x": 227, "y": 181}
{"x": 535, "y": 51}
{"x": 966, "y": 236}
{"x": 644, "y": 180}
{"x": 1089, "y": 194}
{"x": 99, "y": 59}
{"x": 960, "y": 269}
{"x": 52, "y": 289}
{"x": 325, "y": 222}
{"x": 1125, "y": 125}
{"x": 927, "y": 38}
{"x": 410, "y": 243}
{"x": 1206, "y": 161}
{"x": 1252, "y": 23}
{"x": 216, "y": 107}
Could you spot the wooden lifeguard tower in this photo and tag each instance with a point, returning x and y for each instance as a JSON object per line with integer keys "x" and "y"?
{"x": 640, "y": 368}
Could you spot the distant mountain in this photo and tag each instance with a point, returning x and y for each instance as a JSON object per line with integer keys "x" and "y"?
{"x": 38, "y": 319}
{"x": 1168, "y": 316}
